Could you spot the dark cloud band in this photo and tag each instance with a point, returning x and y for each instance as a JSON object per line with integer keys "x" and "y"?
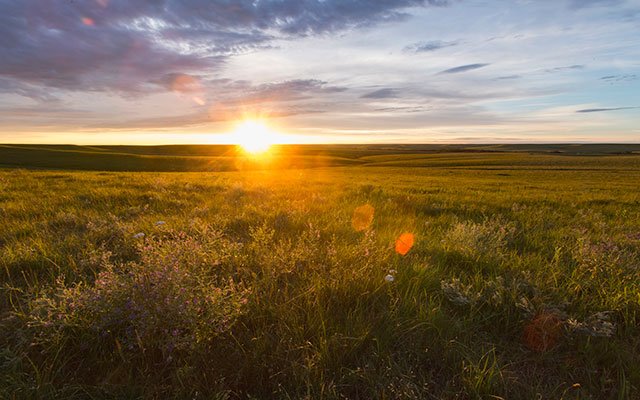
{"x": 126, "y": 46}
{"x": 592, "y": 110}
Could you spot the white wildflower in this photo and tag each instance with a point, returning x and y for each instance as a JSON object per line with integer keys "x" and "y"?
{"x": 455, "y": 292}
{"x": 389, "y": 278}
{"x": 138, "y": 235}
{"x": 160, "y": 223}
{"x": 599, "y": 325}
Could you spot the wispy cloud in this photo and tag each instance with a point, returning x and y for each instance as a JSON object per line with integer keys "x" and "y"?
{"x": 404, "y": 109}
{"x": 619, "y": 78}
{"x": 508, "y": 77}
{"x": 565, "y": 68}
{"x": 577, "y": 4}
{"x": 463, "y": 68}
{"x": 592, "y": 110}
{"x": 386, "y": 93}
{"x": 424, "y": 47}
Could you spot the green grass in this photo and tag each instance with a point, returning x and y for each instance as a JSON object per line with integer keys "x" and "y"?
{"x": 258, "y": 286}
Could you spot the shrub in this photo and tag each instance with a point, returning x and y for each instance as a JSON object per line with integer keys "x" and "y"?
{"x": 172, "y": 300}
{"x": 490, "y": 237}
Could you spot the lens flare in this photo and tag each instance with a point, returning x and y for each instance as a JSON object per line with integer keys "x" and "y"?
{"x": 362, "y": 217}
{"x": 404, "y": 243}
{"x": 543, "y": 332}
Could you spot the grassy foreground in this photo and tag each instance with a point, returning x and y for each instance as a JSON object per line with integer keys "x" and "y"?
{"x": 444, "y": 276}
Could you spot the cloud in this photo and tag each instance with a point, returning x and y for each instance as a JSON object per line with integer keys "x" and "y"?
{"x": 128, "y": 46}
{"x": 26, "y": 90}
{"x": 508, "y": 77}
{"x": 386, "y": 93}
{"x": 578, "y": 4}
{"x": 423, "y": 47}
{"x": 619, "y": 78}
{"x": 246, "y": 94}
{"x": 294, "y": 87}
{"x": 565, "y": 68}
{"x": 201, "y": 117}
{"x": 50, "y": 46}
{"x": 463, "y": 68}
{"x": 404, "y": 109}
{"x": 592, "y": 110}
{"x": 228, "y": 99}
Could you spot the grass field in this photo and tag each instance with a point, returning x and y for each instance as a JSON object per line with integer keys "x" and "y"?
{"x": 354, "y": 272}
{"x": 185, "y": 158}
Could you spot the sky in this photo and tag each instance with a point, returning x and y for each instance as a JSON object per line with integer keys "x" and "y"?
{"x": 320, "y": 71}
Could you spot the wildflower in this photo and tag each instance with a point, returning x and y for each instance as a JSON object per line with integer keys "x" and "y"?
{"x": 389, "y": 278}
{"x": 491, "y": 237}
{"x": 160, "y": 223}
{"x": 455, "y": 292}
{"x": 598, "y": 325}
{"x": 138, "y": 235}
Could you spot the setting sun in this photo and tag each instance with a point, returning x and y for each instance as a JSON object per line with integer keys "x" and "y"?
{"x": 254, "y": 137}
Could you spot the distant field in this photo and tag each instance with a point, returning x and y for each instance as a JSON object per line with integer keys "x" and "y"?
{"x": 228, "y": 158}
{"x": 324, "y": 272}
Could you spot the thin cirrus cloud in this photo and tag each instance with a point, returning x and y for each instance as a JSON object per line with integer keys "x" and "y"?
{"x": 593, "y": 110}
{"x": 425, "y": 47}
{"x": 565, "y": 68}
{"x": 578, "y": 4}
{"x": 619, "y": 78}
{"x": 463, "y": 68}
{"x": 385, "y": 93}
{"x": 508, "y": 77}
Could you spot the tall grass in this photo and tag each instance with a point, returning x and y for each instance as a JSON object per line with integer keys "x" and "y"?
{"x": 288, "y": 284}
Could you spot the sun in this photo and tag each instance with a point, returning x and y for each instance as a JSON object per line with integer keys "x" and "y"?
{"x": 254, "y": 137}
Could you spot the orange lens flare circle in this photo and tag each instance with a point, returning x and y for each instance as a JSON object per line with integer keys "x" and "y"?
{"x": 404, "y": 243}
{"x": 543, "y": 332}
{"x": 362, "y": 217}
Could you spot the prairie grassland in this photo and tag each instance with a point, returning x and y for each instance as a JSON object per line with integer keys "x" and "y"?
{"x": 522, "y": 281}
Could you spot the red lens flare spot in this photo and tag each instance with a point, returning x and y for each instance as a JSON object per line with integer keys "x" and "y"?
{"x": 404, "y": 243}
{"x": 88, "y": 21}
{"x": 362, "y": 217}
{"x": 542, "y": 332}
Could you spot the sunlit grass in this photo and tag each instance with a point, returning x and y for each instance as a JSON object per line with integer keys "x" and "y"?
{"x": 353, "y": 282}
